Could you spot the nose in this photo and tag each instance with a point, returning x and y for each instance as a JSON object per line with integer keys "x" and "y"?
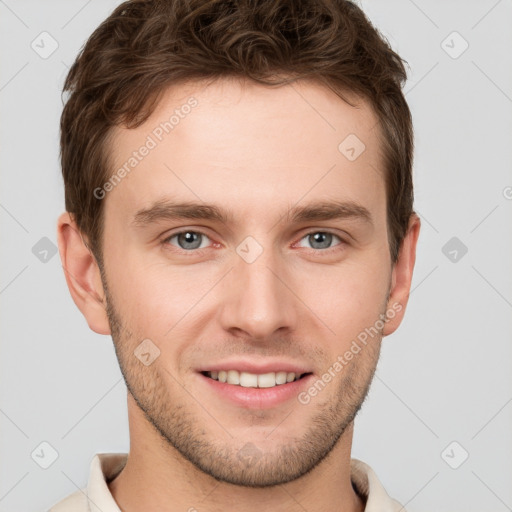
{"x": 257, "y": 300}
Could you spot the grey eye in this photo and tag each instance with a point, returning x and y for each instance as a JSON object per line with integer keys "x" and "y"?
{"x": 189, "y": 240}
{"x": 320, "y": 240}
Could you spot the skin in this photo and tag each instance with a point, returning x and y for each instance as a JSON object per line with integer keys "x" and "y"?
{"x": 258, "y": 152}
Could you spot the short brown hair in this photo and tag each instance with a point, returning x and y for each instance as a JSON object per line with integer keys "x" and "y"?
{"x": 145, "y": 46}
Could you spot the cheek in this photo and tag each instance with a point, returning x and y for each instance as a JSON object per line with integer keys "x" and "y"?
{"x": 155, "y": 297}
{"x": 349, "y": 298}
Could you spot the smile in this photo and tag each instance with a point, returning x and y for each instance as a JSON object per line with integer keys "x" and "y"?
{"x": 254, "y": 380}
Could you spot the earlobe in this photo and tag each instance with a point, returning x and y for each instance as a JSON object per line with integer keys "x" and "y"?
{"x": 402, "y": 277}
{"x": 82, "y": 274}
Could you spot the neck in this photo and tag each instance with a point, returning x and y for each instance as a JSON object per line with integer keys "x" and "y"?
{"x": 157, "y": 477}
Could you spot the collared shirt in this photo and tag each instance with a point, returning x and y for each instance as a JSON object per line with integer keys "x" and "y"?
{"x": 96, "y": 497}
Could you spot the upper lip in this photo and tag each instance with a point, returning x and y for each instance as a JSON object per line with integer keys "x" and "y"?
{"x": 252, "y": 366}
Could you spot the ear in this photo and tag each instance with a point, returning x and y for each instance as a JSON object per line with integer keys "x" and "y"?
{"x": 401, "y": 277}
{"x": 82, "y": 274}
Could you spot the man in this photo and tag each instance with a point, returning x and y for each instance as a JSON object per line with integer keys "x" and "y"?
{"x": 239, "y": 219}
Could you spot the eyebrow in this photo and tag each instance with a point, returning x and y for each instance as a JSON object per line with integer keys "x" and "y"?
{"x": 318, "y": 211}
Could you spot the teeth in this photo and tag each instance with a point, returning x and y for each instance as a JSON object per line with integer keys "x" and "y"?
{"x": 280, "y": 377}
{"x": 252, "y": 380}
{"x": 233, "y": 377}
{"x": 248, "y": 380}
{"x": 267, "y": 380}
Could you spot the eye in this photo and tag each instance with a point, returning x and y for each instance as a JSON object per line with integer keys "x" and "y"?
{"x": 320, "y": 240}
{"x": 188, "y": 240}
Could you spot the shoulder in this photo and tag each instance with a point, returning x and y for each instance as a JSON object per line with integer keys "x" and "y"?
{"x": 368, "y": 486}
{"x": 75, "y": 502}
{"x": 96, "y": 494}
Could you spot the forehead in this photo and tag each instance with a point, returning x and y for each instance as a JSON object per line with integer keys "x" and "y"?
{"x": 249, "y": 146}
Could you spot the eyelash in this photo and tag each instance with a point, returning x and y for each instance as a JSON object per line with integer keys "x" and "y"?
{"x": 191, "y": 252}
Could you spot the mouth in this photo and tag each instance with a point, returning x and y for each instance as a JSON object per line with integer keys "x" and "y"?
{"x": 255, "y": 380}
{"x": 255, "y": 383}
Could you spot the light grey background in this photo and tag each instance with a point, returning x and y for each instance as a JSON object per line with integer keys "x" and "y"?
{"x": 443, "y": 377}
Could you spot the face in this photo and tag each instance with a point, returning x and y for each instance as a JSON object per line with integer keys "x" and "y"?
{"x": 244, "y": 240}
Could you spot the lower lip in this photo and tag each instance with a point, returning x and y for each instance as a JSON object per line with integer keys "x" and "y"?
{"x": 258, "y": 398}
